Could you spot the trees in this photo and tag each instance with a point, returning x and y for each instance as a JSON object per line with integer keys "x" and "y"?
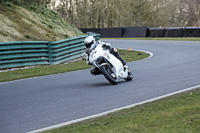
{"x": 176, "y": 13}
{"x": 105, "y": 13}
{"x": 123, "y": 13}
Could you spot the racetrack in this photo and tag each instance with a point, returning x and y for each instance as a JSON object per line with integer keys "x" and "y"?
{"x": 35, "y": 103}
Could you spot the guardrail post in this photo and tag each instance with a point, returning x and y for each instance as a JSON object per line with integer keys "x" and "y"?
{"x": 50, "y": 53}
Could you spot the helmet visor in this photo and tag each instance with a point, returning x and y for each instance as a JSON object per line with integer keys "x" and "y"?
{"x": 88, "y": 45}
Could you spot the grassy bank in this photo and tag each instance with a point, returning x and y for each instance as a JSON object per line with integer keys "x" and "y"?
{"x": 166, "y": 39}
{"x": 78, "y": 65}
{"x": 32, "y": 22}
{"x": 175, "y": 114}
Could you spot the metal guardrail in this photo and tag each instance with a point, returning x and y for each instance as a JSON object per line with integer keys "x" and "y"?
{"x": 32, "y": 53}
{"x": 17, "y": 54}
{"x": 65, "y": 50}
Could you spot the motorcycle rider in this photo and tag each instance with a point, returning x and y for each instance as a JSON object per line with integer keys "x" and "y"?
{"x": 91, "y": 44}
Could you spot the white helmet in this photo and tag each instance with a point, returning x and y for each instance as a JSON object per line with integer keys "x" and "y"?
{"x": 89, "y": 41}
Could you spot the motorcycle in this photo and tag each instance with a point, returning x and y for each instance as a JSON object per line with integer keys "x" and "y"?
{"x": 109, "y": 65}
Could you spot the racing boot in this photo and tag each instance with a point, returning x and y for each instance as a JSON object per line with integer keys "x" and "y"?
{"x": 127, "y": 67}
{"x": 95, "y": 71}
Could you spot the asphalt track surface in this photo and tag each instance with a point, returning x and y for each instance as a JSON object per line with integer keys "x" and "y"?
{"x": 35, "y": 103}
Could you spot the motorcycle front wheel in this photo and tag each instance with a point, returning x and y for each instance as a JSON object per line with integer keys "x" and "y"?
{"x": 108, "y": 74}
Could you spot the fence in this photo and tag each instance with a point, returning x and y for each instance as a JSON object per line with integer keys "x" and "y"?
{"x": 145, "y": 32}
{"x": 31, "y": 53}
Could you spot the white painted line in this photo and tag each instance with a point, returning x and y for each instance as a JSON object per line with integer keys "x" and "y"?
{"x": 18, "y": 80}
{"x": 151, "y": 54}
{"x": 111, "y": 111}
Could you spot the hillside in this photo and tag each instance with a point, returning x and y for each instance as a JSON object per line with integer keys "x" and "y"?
{"x": 23, "y": 22}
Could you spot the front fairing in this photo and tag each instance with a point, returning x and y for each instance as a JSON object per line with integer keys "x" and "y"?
{"x": 117, "y": 66}
{"x": 96, "y": 53}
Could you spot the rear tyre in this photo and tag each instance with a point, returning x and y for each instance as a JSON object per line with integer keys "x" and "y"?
{"x": 108, "y": 74}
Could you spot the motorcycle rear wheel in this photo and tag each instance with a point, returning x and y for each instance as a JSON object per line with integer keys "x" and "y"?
{"x": 110, "y": 76}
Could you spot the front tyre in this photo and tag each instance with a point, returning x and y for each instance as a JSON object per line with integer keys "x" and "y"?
{"x": 108, "y": 74}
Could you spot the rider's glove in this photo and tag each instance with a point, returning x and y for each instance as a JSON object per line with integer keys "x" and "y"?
{"x": 105, "y": 46}
{"x": 87, "y": 51}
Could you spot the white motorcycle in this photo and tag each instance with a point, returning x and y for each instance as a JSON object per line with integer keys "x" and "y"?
{"x": 109, "y": 65}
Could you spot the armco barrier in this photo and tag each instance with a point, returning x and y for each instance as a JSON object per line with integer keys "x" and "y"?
{"x": 65, "y": 50}
{"x": 18, "y": 54}
{"x": 32, "y": 53}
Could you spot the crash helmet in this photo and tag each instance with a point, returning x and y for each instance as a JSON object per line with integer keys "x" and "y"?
{"x": 89, "y": 42}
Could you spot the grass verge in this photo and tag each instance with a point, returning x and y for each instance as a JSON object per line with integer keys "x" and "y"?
{"x": 79, "y": 65}
{"x": 29, "y": 21}
{"x": 166, "y": 39}
{"x": 175, "y": 114}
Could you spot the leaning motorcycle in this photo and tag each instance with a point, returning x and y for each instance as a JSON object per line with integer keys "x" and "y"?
{"x": 109, "y": 65}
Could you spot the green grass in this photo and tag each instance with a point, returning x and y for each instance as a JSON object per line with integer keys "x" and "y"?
{"x": 132, "y": 55}
{"x": 175, "y": 114}
{"x": 167, "y": 39}
{"x": 79, "y": 65}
